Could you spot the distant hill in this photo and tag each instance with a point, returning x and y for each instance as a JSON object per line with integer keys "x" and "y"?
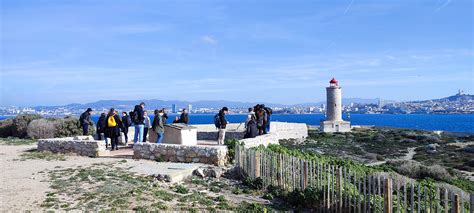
{"x": 155, "y": 104}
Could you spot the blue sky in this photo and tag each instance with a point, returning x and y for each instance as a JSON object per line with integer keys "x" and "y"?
{"x": 59, "y": 52}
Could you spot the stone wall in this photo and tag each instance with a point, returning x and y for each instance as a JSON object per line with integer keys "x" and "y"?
{"x": 215, "y": 155}
{"x": 80, "y": 145}
{"x": 264, "y": 140}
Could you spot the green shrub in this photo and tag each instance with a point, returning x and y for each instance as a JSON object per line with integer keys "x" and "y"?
{"x": 182, "y": 189}
{"x": 245, "y": 207}
{"x": 230, "y": 143}
{"x": 20, "y": 124}
{"x": 55, "y": 128}
{"x": 257, "y": 183}
{"x": 6, "y": 128}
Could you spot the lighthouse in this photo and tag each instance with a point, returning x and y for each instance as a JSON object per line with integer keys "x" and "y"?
{"x": 334, "y": 122}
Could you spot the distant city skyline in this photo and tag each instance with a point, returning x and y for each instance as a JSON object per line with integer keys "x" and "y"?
{"x": 58, "y": 52}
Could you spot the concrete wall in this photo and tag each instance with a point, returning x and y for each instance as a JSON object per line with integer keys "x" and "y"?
{"x": 283, "y": 130}
{"x": 80, "y": 145}
{"x": 215, "y": 155}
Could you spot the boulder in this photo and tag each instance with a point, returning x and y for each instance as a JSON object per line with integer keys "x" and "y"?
{"x": 469, "y": 149}
{"x": 199, "y": 172}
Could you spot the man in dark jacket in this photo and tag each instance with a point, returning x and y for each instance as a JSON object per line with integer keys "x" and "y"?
{"x": 223, "y": 125}
{"x": 139, "y": 122}
{"x": 126, "y": 122}
{"x": 184, "y": 117}
{"x": 165, "y": 116}
{"x": 101, "y": 126}
{"x": 86, "y": 121}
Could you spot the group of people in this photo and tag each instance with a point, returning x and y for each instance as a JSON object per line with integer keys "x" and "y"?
{"x": 111, "y": 124}
{"x": 258, "y": 121}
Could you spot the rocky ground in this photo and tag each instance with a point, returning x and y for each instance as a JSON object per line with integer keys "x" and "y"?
{"x": 32, "y": 180}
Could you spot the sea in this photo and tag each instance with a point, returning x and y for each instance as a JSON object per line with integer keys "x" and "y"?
{"x": 451, "y": 123}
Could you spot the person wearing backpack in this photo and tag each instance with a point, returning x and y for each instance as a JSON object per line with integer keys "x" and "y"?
{"x": 260, "y": 115}
{"x": 86, "y": 121}
{"x": 158, "y": 125}
{"x": 251, "y": 130}
{"x": 114, "y": 124}
{"x": 126, "y": 122}
{"x": 221, "y": 123}
{"x": 139, "y": 122}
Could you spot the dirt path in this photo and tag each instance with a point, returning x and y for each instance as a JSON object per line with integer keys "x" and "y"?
{"x": 408, "y": 156}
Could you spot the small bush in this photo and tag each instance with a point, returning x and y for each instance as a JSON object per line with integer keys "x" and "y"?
{"x": 416, "y": 170}
{"x": 182, "y": 189}
{"x": 55, "y": 128}
{"x": 6, "y": 128}
{"x": 230, "y": 143}
{"x": 20, "y": 124}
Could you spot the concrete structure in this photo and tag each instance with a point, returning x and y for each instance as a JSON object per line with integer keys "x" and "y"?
{"x": 177, "y": 134}
{"x": 282, "y": 130}
{"x": 174, "y": 108}
{"x": 80, "y": 145}
{"x": 215, "y": 155}
{"x": 334, "y": 122}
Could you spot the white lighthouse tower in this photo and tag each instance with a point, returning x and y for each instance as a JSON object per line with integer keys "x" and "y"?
{"x": 334, "y": 122}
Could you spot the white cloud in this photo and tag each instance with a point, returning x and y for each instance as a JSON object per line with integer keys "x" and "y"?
{"x": 209, "y": 40}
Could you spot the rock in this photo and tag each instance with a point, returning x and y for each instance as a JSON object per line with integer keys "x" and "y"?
{"x": 213, "y": 172}
{"x": 469, "y": 149}
{"x": 432, "y": 146}
{"x": 199, "y": 172}
{"x": 469, "y": 163}
{"x": 407, "y": 140}
{"x": 431, "y": 151}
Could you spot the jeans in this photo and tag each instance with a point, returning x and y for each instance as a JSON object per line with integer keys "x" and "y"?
{"x": 85, "y": 129}
{"x": 125, "y": 133}
{"x": 139, "y": 129}
{"x": 145, "y": 133}
{"x": 221, "y": 138}
{"x": 159, "y": 137}
{"x": 267, "y": 128}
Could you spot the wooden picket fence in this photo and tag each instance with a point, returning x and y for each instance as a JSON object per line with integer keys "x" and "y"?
{"x": 344, "y": 190}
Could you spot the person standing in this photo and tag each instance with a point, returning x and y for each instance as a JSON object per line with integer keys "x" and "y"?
{"x": 249, "y": 116}
{"x": 158, "y": 125}
{"x": 268, "y": 117}
{"x": 114, "y": 124}
{"x": 251, "y": 127}
{"x": 147, "y": 125}
{"x": 165, "y": 116}
{"x": 100, "y": 126}
{"x": 222, "y": 125}
{"x": 126, "y": 122}
{"x": 139, "y": 122}
{"x": 184, "y": 117}
{"x": 86, "y": 121}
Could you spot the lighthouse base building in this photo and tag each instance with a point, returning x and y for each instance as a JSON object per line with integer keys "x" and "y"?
{"x": 335, "y": 126}
{"x": 334, "y": 122}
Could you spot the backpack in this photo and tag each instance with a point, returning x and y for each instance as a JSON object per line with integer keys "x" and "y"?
{"x": 133, "y": 116}
{"x": 217, "y": 120}
{"x": 82, "y": 118}
{"x": 111, "y": 122}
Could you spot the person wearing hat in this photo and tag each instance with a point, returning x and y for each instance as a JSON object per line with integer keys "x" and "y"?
{"x": 86, "y": 121}
{"x": 222, "y": 125}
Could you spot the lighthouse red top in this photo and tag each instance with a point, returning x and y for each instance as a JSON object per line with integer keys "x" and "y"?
{"x": 333, "y": 81}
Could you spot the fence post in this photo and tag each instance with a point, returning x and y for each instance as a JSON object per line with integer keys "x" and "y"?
{"x": 388, "y": 196}
{"x": 456, "y": 204}
{"x": 305, "y": 176}
{"x": 257, "y": 164}
{"x": 339, "y": 188}
{"x": 472, "y": 203}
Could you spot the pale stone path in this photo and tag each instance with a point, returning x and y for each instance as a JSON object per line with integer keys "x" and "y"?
{"x": 24, "y": 184}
